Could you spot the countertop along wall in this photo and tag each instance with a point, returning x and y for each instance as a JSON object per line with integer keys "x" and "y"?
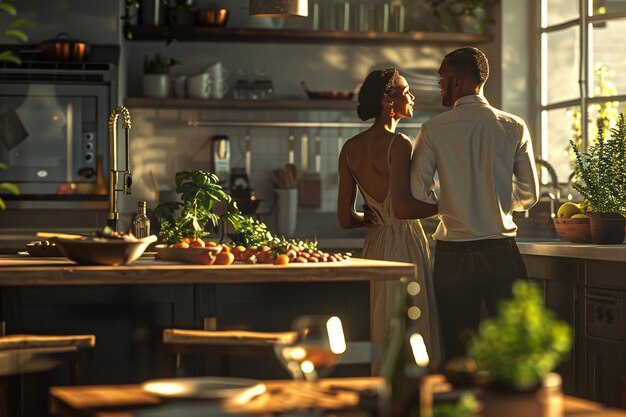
{"x": 160, "y": 141}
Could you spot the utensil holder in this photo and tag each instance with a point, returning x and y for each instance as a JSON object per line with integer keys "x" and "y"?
{"x": 287, "y": 210}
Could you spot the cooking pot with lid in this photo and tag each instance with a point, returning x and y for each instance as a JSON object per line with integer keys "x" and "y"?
{"x": 64, "y": 48}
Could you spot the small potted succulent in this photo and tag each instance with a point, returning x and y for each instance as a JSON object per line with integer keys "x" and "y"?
{"x": 601, "y": 180}
{"x": 156, "y": 81}
{"x": 519, "y": 348}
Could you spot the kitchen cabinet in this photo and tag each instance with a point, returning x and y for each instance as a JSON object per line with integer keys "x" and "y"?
{"x": 212, "y": 34}
{"x": 561, "y": 284}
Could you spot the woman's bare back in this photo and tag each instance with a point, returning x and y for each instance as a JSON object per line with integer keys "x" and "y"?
{"x": 368, "y": 158}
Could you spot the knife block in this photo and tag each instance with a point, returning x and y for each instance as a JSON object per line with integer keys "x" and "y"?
{"x": 310, "y": 190}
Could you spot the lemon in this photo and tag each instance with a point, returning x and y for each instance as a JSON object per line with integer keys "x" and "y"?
{"x": 579, "y": 216}
{"x": 567, "y": 210}
{"x": 584, "y": 206}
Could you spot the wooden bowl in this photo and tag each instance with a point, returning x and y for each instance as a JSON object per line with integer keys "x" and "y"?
{"x": 97, "y": 251}
{"x": 573, "y": 230}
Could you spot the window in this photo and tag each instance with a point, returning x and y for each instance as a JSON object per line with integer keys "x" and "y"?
{"x": 581, "y": 58}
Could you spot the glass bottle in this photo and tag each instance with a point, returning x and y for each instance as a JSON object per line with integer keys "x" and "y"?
{"x": 141, "y": 222}
{"x": 405, "y": 361}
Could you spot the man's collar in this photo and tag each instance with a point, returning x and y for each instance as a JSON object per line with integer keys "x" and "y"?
{"x": 474, "y": 98}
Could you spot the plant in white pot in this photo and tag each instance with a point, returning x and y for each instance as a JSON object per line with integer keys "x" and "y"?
{"x": 519, "y": 348}
{"x": 156, "y": 80}
{"x": 601, "y": 180}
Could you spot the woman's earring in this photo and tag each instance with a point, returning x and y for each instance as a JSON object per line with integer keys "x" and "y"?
{"x": 391, "y": 112}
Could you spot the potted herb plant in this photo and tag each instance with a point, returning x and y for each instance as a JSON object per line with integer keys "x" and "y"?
{"x": 200, "y": 193}
{"x": 601, "y": 180}
{"x": 465, "y": 16}
{"x": 156, "y": 81}
{"x": 519, "y": 348}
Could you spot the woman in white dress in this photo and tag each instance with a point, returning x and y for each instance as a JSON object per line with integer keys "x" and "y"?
{"x": 376, "y": 162}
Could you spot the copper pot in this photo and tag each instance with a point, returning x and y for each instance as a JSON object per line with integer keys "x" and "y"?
{"x": 64, "y": 48}
{"x": 212, "y": 17}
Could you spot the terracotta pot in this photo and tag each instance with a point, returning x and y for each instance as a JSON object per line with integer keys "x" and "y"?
{"x": 545, "y": 401}
{"x": 607, "y": 228}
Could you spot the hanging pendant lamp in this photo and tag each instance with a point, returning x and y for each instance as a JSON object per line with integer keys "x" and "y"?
{"x": 279, "y": 8}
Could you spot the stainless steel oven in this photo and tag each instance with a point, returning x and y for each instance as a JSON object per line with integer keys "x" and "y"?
{"x": 53, "y": 128}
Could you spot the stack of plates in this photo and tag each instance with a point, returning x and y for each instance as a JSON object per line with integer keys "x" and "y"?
{"x": 424, "y": 83}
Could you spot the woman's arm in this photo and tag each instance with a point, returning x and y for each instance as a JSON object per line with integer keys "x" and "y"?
{"x": 404, "y": 205}
{"x": 348, "y": 217}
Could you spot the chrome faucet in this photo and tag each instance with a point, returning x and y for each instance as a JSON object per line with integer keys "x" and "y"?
{"x": 114, "y": 215}
{"x": 555, "y": 194}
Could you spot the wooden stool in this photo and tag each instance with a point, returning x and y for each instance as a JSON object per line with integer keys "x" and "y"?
{"x": 25, "y": 354}
{"x": 220, "y": 342}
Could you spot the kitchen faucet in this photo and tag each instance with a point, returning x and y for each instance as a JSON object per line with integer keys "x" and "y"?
{"x": 555, "y": 194}
{"x": 114, "y": 215}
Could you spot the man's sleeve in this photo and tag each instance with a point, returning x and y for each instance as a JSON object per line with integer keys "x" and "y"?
{"x": 423, "y": 169}
{"x": 525, "y": 181}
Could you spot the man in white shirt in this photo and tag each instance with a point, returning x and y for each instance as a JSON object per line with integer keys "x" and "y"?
{"x": 484, "y": 160}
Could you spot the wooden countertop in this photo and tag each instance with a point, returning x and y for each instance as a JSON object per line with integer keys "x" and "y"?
{"x": 32, "y": 271}
{"x": 280, "y": 396}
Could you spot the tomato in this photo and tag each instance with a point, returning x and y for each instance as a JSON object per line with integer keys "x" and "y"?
{"x": 198, "y": 243}
{"x": 281, "y": 259}
{"x": 224, "y": 258}
{"x": 207, "y": 257}
{"x": 226, "y": 248}
{"x": 237, "y": 251}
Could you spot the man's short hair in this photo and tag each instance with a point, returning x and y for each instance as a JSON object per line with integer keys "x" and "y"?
{"x": 471, "y": 61}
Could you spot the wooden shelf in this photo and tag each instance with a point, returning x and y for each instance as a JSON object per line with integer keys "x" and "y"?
{"x": 277, "y": 104}
{"x": 212, "y": 34}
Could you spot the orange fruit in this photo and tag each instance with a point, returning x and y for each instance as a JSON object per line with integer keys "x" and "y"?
{"x": 224, "y": 258}
{"x": 188, "y": 240}
{"x": 281, "y": 259}
{"x": 207, "y": 257}
{"x": 211, "y": 243}
{"x": 237, "y": 251}
{"x": 182, "y": 245}
{"x": 226, "y": 248}
{"x": 198, "y": 243}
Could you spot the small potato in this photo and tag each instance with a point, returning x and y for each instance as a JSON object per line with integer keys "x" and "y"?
{"x": 300, "y": 260}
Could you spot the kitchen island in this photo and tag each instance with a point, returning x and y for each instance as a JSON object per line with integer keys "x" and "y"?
{"x": 585, "y": 285}
{"x": 127, "y": 307}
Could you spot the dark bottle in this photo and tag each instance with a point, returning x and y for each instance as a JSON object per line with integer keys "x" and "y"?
{"x": 141, "y": 222}
{"x": 405, "y": 361}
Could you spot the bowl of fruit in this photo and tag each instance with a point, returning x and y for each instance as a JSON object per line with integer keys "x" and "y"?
{"x": 105, "y": 247}
{"x": 572, "y": 222}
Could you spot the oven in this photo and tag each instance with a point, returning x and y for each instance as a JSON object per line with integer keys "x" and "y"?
{"x": 54, "y": 129}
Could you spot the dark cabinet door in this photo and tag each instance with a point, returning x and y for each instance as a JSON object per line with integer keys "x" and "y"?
{"x": 605, "y": 365}
{"x": 558, "y": 278}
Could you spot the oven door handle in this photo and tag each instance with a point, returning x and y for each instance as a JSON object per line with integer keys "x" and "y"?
{"x": 602, "y": 298}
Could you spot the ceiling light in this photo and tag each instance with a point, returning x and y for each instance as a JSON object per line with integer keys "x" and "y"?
{"x": 279, "y": 8}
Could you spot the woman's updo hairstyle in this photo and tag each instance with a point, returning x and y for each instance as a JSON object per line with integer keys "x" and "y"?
{"x": 376, "y": 85}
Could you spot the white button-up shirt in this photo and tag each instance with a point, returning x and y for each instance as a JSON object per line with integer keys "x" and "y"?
{"x": 484, "y": 161}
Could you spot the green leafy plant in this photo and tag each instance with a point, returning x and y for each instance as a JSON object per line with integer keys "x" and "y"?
{"x": 523, "y": 342}
{"x": 14, "y": 30}
{"x": 601, "y": 172}
{"x": 200, "y": 192}
{"x": 252, "y": 232}
{"x": 12, "y": 188}
{"x": 443, "y": 10}
{"x": 159, "y": 64}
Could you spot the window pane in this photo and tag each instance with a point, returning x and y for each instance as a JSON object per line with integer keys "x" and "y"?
{"x": 559, "y": 11}
{"x": 562, "y": 65}
{"x": 608, "y": 6}
{"x": 609, "y": 58}
{"x": 561, "y": 127}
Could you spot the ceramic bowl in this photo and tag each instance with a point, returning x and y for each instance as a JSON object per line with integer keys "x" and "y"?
{"x": 573, "y": 230}
{"x": 185, "y": 255}
{"x": 95, "y": 251}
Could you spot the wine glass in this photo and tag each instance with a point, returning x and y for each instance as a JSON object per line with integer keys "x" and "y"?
{"x": 314, "y": 352}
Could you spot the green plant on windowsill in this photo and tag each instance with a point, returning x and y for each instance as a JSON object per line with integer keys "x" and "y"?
{"x": 200, "y": 193}
{"x": 523, "y": 342}
{"x": 601, "y": 172}
{"x": 159, "y": 64}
